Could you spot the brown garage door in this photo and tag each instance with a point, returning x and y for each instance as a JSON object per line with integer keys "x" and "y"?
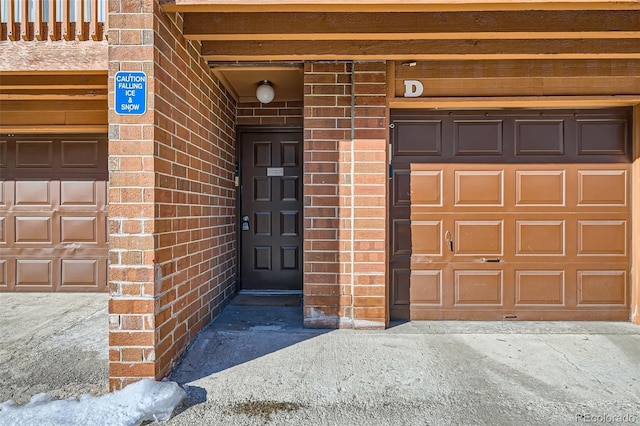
{"x": 53, "y": 213}
{"x": 510, "y": 215}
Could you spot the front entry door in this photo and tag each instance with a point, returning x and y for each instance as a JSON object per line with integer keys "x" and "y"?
{"x": 271, "y": 210}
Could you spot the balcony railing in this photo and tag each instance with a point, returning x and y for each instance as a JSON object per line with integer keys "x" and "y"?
{"x": 41, "y": 20}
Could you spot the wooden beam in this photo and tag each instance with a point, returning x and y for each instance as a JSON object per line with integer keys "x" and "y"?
{"x": 526, "y": 86}
{"x": 50, "y": 97}
{"x": 55, "y": 129}
{"x": 54, "y": 78}
{"x": 516, "y": 102}
{"x": 52, "y": 87}
{"x": 58, "y": 117}
{"x": 519, "y": 68}
{"x": 421, "y": 49}
{"x": 54, "y": 56}
{"x": 403, "y": 25}
{"x": 55, "y": 105}
{"x": 390, "y": 5}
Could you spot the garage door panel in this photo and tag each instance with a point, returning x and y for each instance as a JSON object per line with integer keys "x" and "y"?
{"x": 29, "y": 230}
{"x": 540, "y": 188}
{"x": 478, "y": 287}
{"x": 475, "y": 137}
{"x": 402, "y": 187}
{"x": 78, "y": 193}
{"x": 34, "y": 273}
{"x": 540, "y": 287}
{"x": 602, "y": 187}
{"x": 3, "y": 153}
{"x": 479, "y": 237}
{"x": 540, "y": 237}
{"x": 77, "y": 272}
{"x": 426, "y": 287}
{"x": 3, "y": 273}
{"x": 400, "y": 286}
{"x": 602, "y": 237}
{"x": 539, "y": 137}
{"x": 424, "y": 188}
{"x": 401, "y": 244}
{"x": 426, "y": 237}
{"x": 34, "y": 154}
{"x": 538, "y": 233}
{"x": 79, "y": 153}
{"x": 479, "y": 187}
{"x": 75, "y": 229}
{"x": 28, "y": 193}
{"x": 602, "y": 287}
{"x": 418, "y": 137}
{"x": 603, "y": 137}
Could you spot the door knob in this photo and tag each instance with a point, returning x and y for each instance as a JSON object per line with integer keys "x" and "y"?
{"x": 449, "y": 240}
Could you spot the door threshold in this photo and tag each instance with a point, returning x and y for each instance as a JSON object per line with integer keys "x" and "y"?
{"x": 271, "y": 292}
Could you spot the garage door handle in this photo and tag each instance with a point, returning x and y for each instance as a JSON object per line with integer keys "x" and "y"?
{"x": 493, "y": 260}
{"x": 448, "y": 239}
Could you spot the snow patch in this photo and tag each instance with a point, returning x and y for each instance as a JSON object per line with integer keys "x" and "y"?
{"x": 137, "y": 402}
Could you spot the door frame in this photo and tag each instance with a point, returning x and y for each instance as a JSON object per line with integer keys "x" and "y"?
{"x": 240, "y": 131}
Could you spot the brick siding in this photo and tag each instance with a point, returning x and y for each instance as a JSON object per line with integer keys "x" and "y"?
{"x": 285, "y": 113}
{"x": 345, "y": 194}
{"x": 172, "y": 198}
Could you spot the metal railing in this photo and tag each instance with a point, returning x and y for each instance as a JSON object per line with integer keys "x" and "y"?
{"x": 41, "y": 20}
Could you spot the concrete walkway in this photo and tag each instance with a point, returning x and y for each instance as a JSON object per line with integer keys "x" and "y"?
{"x": 259, "y": 366}
{"x": 53, "y": 342}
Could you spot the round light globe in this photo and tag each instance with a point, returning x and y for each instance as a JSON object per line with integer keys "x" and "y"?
{"x": 265, "y": 92}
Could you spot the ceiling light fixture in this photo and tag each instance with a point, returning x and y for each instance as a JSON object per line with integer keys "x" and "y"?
{"x": 265, "y": 92}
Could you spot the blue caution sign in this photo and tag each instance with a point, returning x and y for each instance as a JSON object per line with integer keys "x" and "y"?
{"x": 131, "y": 93}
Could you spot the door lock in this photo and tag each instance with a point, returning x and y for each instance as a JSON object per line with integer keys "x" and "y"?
{"x": 245, "y": 223}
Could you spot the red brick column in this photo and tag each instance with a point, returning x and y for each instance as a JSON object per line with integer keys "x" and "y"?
{"x": 131, "y": 204}
{"x": 370, "y": 195}
{"x": 327, "y": 196}
{"x": 171, "y": 198}
{"x": 345, "y": 194}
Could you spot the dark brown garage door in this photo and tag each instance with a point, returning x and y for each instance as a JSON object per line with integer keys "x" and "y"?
{"x": 511, "y": 215}
{"x": 53, "y": 213}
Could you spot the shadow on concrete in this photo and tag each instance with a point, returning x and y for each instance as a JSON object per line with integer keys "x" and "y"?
{"x": 195, "y": 396}
{"x": 239, "y": 335}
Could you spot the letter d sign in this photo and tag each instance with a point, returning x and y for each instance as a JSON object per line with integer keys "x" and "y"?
{"x": 413, "y": 89}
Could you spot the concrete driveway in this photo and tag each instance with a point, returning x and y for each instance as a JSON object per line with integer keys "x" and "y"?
{"x": 257, "y": 365}
{"x": 53, "y": 342}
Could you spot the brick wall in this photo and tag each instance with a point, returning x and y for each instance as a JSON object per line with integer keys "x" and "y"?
{"x": 370, "y": 167}
{"x": 286, "y": 113}
{"x": 172, "y": 200}
{"x": 345, "y": 194}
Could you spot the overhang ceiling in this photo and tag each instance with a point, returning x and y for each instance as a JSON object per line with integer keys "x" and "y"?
{"x": 294, "y": 31}
{"x": 242, "y": 80}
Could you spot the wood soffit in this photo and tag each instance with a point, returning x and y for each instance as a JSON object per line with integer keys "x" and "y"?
{"x": 243, "y": 80}
{"x": 285, "y": 31}
{"x": 69, "y": 101}
{"x": 423, "y": 35}
{"x": 390, "y": 5}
